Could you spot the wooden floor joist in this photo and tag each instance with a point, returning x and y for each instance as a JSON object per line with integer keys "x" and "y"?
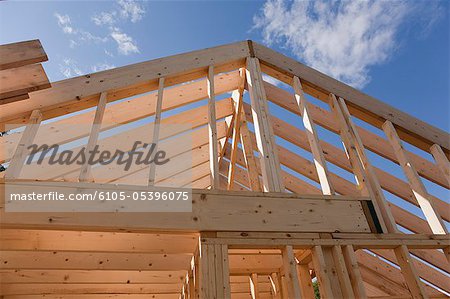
{"x": 282, "y": 219}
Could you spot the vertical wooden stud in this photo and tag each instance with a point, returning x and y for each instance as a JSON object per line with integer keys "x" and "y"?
{"x": 276, "y": 286}
{"x": 238, "y": 99}
{"x": 156, "y": 130}
{"x": 367, "y": 181}
{"x": 441, "y": 161}
{"x": 409, "y": 272}
{"x": 353, "y": 271}
{"x": 21, "y": 152}
{"x": 342, "y": 273}
{"x": 214, "y": 271}
{"x": 213, "y": 154}
{"x": 289, "y": 272}
{"x": 85, "y": 172}
{"x": 225, "y": 272}
{"x": 254, "y": 288}
{"x": 206, "y": 279}
{"x": 322, "y": 274}
{"x": 313, "y": 139}
{"x": 425, "y": 201}
{"x": 270, "y": 165}
{"x": 306, "y": 285}
{"x": 250, "y": 159}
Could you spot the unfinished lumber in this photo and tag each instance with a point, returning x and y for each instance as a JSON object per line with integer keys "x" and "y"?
{"x": 310, "y": 222}
{"x": 336, "y": 156}
{"x": 212, "y": 127}
{"x": 32, "y": 78}
{"x": 254, "y": 288}
{"x": 306, "y": 286}
{"x": 411, "y": 226}
{"x": 156, "y": 130}
{"x": 371, "y": 141}
{"x": 353, "y": 271}
{"x": 85, "y": 173}
{"x": 276, "y": 289}
{"x": 409, "y": 272}
{"x": 214, "y": 271}
{"x": 14, "y": 99}
{"x": 238, "y": 108}
{"x": 320, "y": 267}
{"x": 21, "y": 152}
{"x": 367, "y": 181}
{"x": 22, "y": 53}
{"x": 426, "y": 203}
{"x": 217, "y": 211}
{"x": 342, "y": 272}
{"x": 313, "y": 139}
{"x": 441, "y": 161}
{"x": 263, "y": 128}
{"x": 247, "y": 141}
{"x": 289, "y": 272}
{"x": 117, "y": 142}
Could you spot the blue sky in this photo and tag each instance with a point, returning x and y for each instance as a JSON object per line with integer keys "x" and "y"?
{"x": 396, "y": 51}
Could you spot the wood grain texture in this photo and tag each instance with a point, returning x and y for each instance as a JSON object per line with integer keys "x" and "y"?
{"x": 22, "y": 80}
{"x": 22, "y": 53}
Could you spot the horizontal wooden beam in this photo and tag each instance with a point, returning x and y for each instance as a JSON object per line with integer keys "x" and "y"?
{"x": 22, "y": 53}
{"x": 242, "y": 241}
{"x": 60, "y": 289}
{"x": 91, "y": 296}
{"x": 211, "y": 210}
{"x": 50, "y": 240}
{"x": 22, "y": 80}
{"x": 90, "y": 276}
{"x": 57, "y": 260}
{"x": 108, "y": 261}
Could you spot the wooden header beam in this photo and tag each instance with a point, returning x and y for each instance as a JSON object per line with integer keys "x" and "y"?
{"x": 211, "y": 210}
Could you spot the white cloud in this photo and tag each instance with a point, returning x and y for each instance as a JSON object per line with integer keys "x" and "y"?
{"x": 123, "y": 11}
{"x": 78, "y": 35}
{"x": 102, "y": 67}
{"x": 69, "y": 68}
{"x": 126, "y": 9}
{"x": 125, "y": 43}
{"x": 131, "y": 9}
{"x": 108, "y": 53}
{"x": 104, "y": 18}
{"x": 87, "y": 36}
{"x": 340, "y": 38}
{"x": 65, "y": 23}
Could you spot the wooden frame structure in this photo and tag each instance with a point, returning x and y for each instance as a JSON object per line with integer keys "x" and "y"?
{"x": 273, "y": 222}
